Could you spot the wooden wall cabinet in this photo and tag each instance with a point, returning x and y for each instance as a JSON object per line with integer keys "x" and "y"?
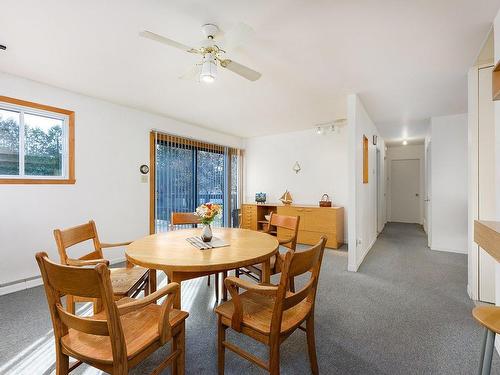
{"x": 314, "y": 221}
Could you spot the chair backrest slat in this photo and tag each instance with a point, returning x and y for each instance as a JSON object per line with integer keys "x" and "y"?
{"x": 65, "y": 238}
{"x": 303, "y": 261}
{"x": 183, "y": 218}
{"x": 74, "y": 235}
{"x": 82, "y": 324}
{"x": 297, "y": 297}
{"x": 76, "y": 281}
{"x": 289, "y": 226}
{"x": 284, "y": 221}
{"x": 92, "y": 255}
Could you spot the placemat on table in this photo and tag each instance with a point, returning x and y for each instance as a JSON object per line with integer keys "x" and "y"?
{"x": 199, "y": 244}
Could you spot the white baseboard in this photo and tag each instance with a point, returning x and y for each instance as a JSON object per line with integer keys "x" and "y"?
{"x": 405, "y": 221}
{"x": 34, "y": 281}
{"x": 449, "y": 250}
{"x": 470, "y": 294}
{"x": 355, "y": 267}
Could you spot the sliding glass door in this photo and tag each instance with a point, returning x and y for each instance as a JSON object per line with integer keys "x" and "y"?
{"x": 188, "y": 173}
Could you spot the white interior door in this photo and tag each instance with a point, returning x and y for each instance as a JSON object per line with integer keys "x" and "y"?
{"x": 405, "y": 191}
{"x": 379, "y": 208}
{"x": 428, "y": 194}
{"x": 486, "y": 180}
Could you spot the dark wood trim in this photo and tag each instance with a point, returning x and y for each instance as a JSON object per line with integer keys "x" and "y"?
{"x": 43, "y": 107}
{"x": 152, "y": 181}
{"x": 36, "y": 181}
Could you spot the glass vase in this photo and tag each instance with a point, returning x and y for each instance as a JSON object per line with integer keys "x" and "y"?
{"x": 206, "y": 234}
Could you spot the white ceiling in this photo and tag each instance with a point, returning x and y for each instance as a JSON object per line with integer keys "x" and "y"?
{"x": 407, "y": 59}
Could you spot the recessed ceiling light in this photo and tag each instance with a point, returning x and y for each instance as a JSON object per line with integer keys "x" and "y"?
{"x": 405, "y": 142}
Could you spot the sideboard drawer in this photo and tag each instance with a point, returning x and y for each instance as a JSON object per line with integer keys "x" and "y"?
{"x": 311, "y": 238}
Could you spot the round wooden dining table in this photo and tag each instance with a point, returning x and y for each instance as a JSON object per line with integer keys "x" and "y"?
{"x": 173, "y": 254}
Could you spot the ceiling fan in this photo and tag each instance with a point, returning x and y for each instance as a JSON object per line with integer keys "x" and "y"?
{"x": 212, "y": 56}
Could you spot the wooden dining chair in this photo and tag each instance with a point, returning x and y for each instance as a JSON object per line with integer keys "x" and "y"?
{"x": 270, "y": 313}
{"x": 122, "y": 334}
{"x": 289, "y": 225}
{"x": 127, "y": 282}
{"x": 189, "y": 218}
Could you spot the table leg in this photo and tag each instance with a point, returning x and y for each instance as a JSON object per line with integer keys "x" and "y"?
{"x": 152, "y": 281}
{"x": 266, "y": 271}
{"x": 177, "y": 300}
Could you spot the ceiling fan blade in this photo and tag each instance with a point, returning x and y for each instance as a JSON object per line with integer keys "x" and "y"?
{"x": 168, "y": 42}
{"x": 241, "y": 70}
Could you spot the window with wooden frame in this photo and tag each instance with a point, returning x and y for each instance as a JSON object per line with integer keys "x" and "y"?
{"x": 37, "y": 143}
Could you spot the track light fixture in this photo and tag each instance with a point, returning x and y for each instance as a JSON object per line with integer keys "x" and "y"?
{"x": 330, "y": 127}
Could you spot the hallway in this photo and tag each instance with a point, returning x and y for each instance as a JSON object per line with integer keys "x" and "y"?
{"x": 418, "y": 303}
{"x": 405, "y": 312}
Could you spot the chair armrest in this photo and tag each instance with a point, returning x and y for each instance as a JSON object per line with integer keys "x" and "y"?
{"x": 232, "y": 284}
{"x": 86, "y": 262}
{"x": 235, "y": 282}
{"x": 107, "y": 245}
{"x": 164, "y": 327}
{"x": 171, "y": 288}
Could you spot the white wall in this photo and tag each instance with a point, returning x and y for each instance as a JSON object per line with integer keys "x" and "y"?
{"x": 449, "y": 183}
{"x": 111, "y": 142}
{"x": 362, "y": 217}
{"x": 496, "y": 38}
{"x": 323, "y": 159}
{"x": 401, "y": 153}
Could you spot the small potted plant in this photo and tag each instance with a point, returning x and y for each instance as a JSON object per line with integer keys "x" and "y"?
{"x": 207, "y": 213}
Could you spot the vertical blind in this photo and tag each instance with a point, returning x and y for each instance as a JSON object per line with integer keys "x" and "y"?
{"x": 188, "y": 173}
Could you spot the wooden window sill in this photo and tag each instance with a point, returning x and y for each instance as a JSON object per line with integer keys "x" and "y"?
{"x": 39, "y": 181}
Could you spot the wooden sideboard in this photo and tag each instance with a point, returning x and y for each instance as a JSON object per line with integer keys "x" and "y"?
{"x": 314, "y": 221}
{"x": 487, "y": 235}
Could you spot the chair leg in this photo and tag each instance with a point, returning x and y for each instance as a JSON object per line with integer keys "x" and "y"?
{"x": 221, "y": 350}
{"x": 237, "y": 272}
{"x": 208, "y": 280}
{"x": 146, "y": 287}
{"x": 62, "y": 362}
{"x": 179, "y": 343}
{"x": 487, "y": 352}
{"x": 152, "y": 280}
{"x": 216, "y": 286}
{"x": 292, "y": 284}
{"x": 274, "y": 358}
{"x": 311, "y": 344}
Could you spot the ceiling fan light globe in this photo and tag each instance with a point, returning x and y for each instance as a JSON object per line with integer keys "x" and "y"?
{"x": 208, "y": 71}
{"x": 206, "y": 79}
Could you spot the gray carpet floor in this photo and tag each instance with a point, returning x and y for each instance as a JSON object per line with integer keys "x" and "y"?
{"x": 405, "y": 312}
